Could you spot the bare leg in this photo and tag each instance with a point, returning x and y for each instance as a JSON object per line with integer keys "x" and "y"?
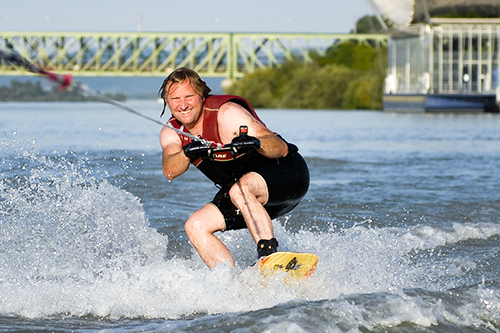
{"x": 248, "y": 195}
{"x": 200, "y": 228}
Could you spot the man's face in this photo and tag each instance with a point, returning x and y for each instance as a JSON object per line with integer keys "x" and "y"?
{"x": 184, "y": 103}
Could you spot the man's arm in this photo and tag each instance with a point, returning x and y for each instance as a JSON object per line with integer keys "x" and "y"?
{"x": 272, "y": 146}
{"x": 231, "y": 116}
{"x": 175, "y": 162}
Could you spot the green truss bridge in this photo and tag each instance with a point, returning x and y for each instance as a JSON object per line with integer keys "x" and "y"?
{"x": 225, "y": 55}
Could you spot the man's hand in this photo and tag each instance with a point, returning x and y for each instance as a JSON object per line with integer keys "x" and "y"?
{"x": 196, "y": 149}
{"x": 244, "y": 142}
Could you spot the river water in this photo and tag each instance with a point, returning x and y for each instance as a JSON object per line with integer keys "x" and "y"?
{"x": 402, "y": 211}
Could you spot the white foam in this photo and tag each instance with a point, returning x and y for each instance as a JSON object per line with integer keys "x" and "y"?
{"x": 72, "y": 245}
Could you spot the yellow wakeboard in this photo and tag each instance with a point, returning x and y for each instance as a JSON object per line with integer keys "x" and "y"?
{"x": 300, "y": 266}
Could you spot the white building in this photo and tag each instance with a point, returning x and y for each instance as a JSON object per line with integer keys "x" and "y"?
{"x": 437, "y": 63}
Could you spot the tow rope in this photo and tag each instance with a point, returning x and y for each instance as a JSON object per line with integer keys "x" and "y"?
{"x": 65, "y": 82}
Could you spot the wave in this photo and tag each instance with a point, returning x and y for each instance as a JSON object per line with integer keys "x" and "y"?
{"x": 72, "y": 245}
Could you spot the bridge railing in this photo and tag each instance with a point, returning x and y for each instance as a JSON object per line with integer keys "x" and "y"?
{"x": 228, "y": 55}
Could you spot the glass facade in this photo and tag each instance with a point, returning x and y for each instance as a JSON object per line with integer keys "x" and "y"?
{"x": 450, "y": 58}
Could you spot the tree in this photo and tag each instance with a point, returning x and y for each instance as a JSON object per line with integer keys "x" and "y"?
{"x": 368, "y": 24}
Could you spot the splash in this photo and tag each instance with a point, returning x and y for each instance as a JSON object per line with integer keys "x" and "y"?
{"x": 75, "y": 245}
{"x": 64, "y": 236}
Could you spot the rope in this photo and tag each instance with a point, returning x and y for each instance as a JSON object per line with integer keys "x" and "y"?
{"x": 65, "y": 82}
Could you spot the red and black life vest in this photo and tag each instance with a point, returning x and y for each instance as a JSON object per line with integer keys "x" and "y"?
{"x": 211, "y": 109}
{"x": 223, "y": 168}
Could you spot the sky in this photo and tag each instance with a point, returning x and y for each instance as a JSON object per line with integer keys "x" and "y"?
{"x": 297, "y": 16}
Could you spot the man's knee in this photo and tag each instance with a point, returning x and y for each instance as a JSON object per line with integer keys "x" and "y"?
{"x": 250, "y": 185}
{"x": 208, "y": 219}
{"x": 238, "y": 188}
{"x": 193, "y": 226}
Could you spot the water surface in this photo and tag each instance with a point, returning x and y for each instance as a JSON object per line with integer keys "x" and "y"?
{"x": 402, "y": 212}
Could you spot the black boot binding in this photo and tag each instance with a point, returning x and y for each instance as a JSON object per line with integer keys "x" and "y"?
{"x": 266, "y": 247}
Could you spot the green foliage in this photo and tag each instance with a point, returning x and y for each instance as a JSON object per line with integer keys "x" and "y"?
{"x": 34, "y": 92}
{"x": 317, "y": 88}
{"x": 265, "y": 86}
{"x": 353, "y": 55}
{"x": 365, "y": 92}
{"x": 349, "y": 76}
{"x": 369, "y": 24}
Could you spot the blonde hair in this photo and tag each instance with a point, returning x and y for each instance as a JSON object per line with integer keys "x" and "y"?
{"x": 178, "y": 76}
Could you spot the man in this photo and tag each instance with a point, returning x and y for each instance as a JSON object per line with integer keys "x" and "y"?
{"x": 260, "y": 175}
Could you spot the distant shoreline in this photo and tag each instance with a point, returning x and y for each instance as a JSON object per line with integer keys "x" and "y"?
{"x": 29, "y": 91}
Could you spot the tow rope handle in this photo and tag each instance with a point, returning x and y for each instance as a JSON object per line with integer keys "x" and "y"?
{"x": 243, "y": 133}
{"x": 243, "y": 130}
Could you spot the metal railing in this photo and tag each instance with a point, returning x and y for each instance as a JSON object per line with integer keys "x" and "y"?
{"x": 228, "y": 55}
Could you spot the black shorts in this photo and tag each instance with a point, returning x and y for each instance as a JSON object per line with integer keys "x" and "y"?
{"x": 287, "y": 180}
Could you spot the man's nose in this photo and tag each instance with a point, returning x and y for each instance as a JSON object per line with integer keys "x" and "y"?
{"x": 183, "y": 104}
